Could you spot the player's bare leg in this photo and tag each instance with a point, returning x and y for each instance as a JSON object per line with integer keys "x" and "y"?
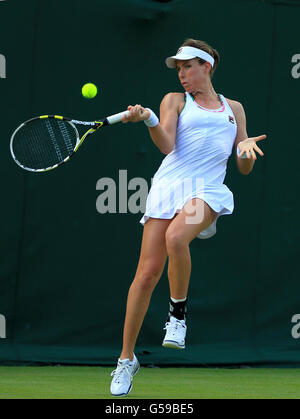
{"x": 150, "y": 267}
{"x": 195, "y": 217}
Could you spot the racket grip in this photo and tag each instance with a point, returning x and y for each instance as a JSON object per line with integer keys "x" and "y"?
{"x": 113, "y": 119}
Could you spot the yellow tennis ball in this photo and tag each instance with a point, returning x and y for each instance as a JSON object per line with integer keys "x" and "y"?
{"x": 89, "y": 91}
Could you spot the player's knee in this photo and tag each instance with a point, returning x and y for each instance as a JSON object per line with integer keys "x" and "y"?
{"x": 175, "y": 242}
{"x": 147, "y": 278}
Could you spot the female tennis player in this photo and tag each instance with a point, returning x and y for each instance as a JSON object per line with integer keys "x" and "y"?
{"x": 197, "y": 131}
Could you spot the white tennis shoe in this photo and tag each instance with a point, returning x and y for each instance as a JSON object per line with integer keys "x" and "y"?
{"x": 121, "y": 384}
{"x": 175, "y": 334}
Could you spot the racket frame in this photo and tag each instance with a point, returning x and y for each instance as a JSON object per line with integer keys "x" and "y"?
{"x": 94, "y": 126}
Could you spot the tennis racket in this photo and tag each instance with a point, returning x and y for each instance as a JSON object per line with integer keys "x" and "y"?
{"x": 44, "y": 143}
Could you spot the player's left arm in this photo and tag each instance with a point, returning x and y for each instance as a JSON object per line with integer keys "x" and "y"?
{"x": 247, "y": 146}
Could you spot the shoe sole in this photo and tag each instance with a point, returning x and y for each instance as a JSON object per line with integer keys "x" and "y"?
{"x": 130, "y": 388}
{"x": 172, "y": 344}
{"x": 123, "y": 394}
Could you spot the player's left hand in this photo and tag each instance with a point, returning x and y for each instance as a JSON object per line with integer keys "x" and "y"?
{"x": 248, "y": 147}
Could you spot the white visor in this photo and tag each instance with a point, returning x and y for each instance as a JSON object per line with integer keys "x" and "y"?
{"x": 187, "y": 53}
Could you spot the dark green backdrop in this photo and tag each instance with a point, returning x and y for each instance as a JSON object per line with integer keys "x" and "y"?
{"x": 66, "y": 269}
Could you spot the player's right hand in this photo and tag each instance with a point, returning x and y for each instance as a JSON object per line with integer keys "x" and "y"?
{"x": 136, "y": 114}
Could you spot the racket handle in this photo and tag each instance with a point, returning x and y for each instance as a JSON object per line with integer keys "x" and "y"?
{"x": 113, "y": 119}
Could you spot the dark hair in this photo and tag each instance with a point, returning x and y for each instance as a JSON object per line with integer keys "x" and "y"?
{"x": 205, "y": 47}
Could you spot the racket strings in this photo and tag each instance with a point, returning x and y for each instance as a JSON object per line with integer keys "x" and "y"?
{"x": 53, "y": 140}
{"x": 66, "y": 135}
{"x": 44, "y": 143}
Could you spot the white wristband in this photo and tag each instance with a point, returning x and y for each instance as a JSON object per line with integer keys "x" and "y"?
{"x": 244, "y": 156}
{"x": 152, "y": 121}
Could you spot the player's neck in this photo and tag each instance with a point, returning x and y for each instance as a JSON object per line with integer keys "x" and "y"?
{"x": 205, "y": 92}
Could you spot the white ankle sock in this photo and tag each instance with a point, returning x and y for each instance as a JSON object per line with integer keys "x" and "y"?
{"x": 178, "y": 301}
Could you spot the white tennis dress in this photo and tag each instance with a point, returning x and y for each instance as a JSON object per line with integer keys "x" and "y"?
{"x": 196, "y": 167}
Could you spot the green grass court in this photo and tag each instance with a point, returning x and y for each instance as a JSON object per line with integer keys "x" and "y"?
{"x": 64, "y": 382}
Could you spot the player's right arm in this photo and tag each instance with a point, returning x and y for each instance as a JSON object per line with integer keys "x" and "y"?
{"x": 163, "y": 134}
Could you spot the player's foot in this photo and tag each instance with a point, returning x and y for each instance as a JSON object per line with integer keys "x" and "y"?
{"x": 175, "y": 334}
{"x": 121, "y": 384}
